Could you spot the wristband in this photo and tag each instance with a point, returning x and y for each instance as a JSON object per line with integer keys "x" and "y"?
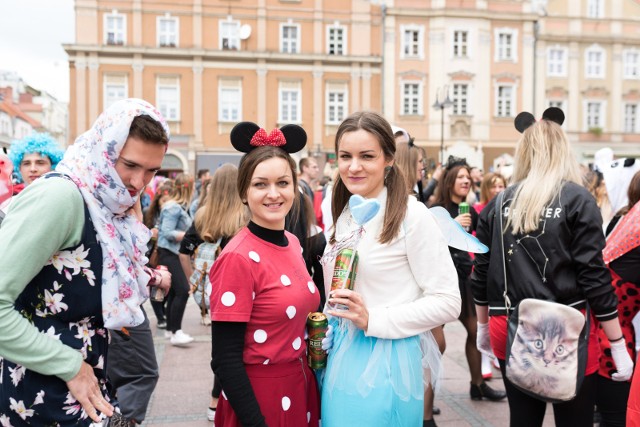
{"x": 617, "y": 339}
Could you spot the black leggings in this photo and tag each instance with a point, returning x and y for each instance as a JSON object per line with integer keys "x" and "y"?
{"x": 526, "y": 411}
{"x": 179, "y": 292}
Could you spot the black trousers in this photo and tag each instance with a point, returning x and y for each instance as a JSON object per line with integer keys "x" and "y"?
{"x": 179, "y": 292}
{"x": 611, "y": 399}
{"x": 526, "y": 411}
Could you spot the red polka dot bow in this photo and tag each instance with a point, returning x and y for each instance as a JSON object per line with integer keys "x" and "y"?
{"x": 275, "y": 138}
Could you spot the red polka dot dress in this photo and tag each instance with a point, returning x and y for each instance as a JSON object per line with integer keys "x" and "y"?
{"x": 268, "y": 287}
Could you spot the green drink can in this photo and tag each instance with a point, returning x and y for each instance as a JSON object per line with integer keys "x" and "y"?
{"x": 463, "y": 208}
{"x": 317, "y": 324}
{"x": 344, "y": 272}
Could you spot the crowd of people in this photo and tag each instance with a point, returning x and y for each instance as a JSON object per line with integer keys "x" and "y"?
{"x": 77, "y": 345}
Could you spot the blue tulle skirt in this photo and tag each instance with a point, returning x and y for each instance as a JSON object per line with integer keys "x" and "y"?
{"x": 375, "y": 382}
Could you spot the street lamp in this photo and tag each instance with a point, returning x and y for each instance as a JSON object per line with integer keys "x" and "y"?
{"x": 441, "y": 105}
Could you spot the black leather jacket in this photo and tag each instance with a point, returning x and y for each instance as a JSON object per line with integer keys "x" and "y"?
{"x": 561, "y": 261}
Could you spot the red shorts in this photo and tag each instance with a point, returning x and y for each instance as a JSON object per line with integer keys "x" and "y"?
{"x": 498, "y": 334}
{"x": 287, "y": 394}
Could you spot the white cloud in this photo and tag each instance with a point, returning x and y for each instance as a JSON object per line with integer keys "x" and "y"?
{"x": 31, "y": 38}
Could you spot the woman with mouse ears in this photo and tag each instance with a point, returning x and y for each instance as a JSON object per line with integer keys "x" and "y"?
{"x": 405, "y": 286}
{"x": 262, "y": 294}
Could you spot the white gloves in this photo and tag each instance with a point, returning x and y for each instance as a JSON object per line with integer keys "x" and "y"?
{"x": 327, "y": 341}
{"x": 623, "y": 361}
{"x": 482, "y": 340}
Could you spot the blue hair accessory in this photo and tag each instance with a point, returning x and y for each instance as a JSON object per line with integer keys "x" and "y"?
{"x": 41, "y": 143}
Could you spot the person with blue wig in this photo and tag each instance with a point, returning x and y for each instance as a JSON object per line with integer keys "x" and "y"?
{"x": 35, "y": 155}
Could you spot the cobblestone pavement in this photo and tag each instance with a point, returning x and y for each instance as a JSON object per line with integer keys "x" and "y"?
{"x": 184, "y": 389}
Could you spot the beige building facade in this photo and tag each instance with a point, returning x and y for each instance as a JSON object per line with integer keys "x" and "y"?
{"x": 208, "y": 64}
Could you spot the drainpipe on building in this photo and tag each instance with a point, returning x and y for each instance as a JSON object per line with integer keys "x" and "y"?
{"x": 383, "y": 9}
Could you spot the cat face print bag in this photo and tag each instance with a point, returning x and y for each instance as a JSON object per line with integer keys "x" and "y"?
{"x": 547, "y": 345}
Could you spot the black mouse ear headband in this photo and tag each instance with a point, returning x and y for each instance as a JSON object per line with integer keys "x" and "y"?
{"x": 525, "y": 119}
{"x": 245, "y": 136}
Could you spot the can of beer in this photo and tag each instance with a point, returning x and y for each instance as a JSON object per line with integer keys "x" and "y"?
{"x": 317, "y": 324}
{"x": 344, "y": 275}
{"x": 463, "y": 208}
{"x": 156, "y": 293}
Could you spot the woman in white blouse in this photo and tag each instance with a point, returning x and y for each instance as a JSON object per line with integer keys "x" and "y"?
{"x": 405, "y": 286}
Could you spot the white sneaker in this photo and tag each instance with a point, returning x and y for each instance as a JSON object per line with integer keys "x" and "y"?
{"x": 179, "y": 338}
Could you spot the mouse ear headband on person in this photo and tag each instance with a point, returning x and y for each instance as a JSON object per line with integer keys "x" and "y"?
{"x": 526, "y": 119}
{"x": 245, "y": 136}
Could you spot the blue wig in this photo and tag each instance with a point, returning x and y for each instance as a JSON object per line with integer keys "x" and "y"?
{"x": 41, "y": 143}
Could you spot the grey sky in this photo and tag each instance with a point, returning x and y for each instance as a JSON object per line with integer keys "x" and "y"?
{"x": 31, "y": 37}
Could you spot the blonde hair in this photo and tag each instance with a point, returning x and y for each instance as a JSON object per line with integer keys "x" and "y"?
{"x": 223, "y": 213}
{"x": 407, "y": 160}
{"x": 183, "y": 189}
{"x": 543, "y": 163}
{"x": 488, "y": 181}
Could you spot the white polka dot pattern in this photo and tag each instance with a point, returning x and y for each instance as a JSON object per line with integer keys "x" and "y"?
{"x": 266, "y": 362}
{"x": 253, "y": 295}
{"x": 228, "y": 299}
{"x": 297, "y": 343}
{"x": 308, "y": 417}
{"x": 312, "y": 287}
{"x": 286, "y": 403}
{"x": 285, "y": 280}
{"x": 254, "y": 256}
{"x": 291, "y": 312}
{"x": 260, "y": 336}
{"x": 224, "y": 395}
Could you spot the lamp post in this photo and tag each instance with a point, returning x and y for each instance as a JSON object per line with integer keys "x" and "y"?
{"x": 442, "y": 92}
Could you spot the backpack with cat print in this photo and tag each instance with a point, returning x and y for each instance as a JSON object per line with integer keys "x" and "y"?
{"x": 547, "y": 343}
{"x": 203, "y": 259}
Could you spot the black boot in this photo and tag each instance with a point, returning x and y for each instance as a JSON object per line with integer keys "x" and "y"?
{"x": 478, "y": 392}
{"x": 429, "y": 423}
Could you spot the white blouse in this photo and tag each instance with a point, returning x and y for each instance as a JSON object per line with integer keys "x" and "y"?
{"x": 409, "y": 285}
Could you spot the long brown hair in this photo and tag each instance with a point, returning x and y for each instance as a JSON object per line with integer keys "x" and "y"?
{"x": 252, "y": 159}
{"x": 223, "y": 213}
{"x": 162, "y": 193}
{"x": 446, "y": 184}
{"x": 397, "y": 193}
{"x": 407, "y": 156}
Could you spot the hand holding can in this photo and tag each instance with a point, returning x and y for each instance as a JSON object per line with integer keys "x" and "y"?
{"x": 344, "y": 272}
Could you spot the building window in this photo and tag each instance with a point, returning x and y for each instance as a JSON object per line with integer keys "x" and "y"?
{"x": 230, "y": 100}
{"x": 506, "y": 44}
{"x": 594, "y": 115}
{"x": 229, "y": 35}
{"x": 460, "y": 44}
{"x": 594, "y": 63}
{"x": 556, "y": 62}
{"x": 631, "y": 118}
{"x": 631, "y": 61}
{"x": 168, "y": 31}
{"x": 337, "y": 105}
{"x": 595, "y": 8}
{"x": 168, "y": 97}
{"x": 290, "y": 100}
{"x": 115, "y": 89}
{"x": 290, "y": 38}
{"x": 557, "y": 104}
{"x": 336, "y": 40}
{"x": 412, "y": 41}
{"x": 504, "y": 101}
{"x": 115, "y": 29}
{"x": 460, "y": 98}
{"x": 411, "y": 99}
